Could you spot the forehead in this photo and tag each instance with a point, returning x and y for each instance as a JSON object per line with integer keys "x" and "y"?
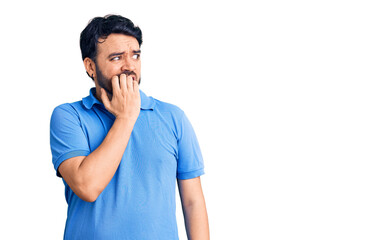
{"x": 117, "y": 43}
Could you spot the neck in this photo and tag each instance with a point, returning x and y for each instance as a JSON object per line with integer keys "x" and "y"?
{"x": 98, "y": 94}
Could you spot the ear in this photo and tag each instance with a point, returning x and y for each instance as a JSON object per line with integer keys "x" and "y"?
{"x": 89, "y": 65}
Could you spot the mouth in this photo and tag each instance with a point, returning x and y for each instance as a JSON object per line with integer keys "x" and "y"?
{"x": 132, "y": 75}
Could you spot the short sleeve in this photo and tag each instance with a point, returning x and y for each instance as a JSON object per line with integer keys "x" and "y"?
{"x": 190, "y": 161}
{"x": 67, "y": 138}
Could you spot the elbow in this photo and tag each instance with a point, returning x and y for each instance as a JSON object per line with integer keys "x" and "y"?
{"x": 88, "y": 197}
{"x": 87, "y": 194}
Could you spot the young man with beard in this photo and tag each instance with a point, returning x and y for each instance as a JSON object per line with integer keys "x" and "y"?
{"x": 120, "y": 153}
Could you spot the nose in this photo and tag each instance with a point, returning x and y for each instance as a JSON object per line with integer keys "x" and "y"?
{"x": 128, "y": 64}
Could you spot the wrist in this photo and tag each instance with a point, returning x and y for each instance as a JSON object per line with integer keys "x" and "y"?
{"x": 126, "y": 120}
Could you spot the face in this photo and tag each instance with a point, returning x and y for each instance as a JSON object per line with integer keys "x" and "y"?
{"x": 116, "y": 54}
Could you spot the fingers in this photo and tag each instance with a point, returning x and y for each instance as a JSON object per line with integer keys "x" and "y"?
{"x": 129, "y": 83}
{"x": 115, "y": 84}
{"x": 132, "y": 84}
{"x": 135, "y": 86}
{"x": 123, "y": 82}
{"x": 125, "y": 98}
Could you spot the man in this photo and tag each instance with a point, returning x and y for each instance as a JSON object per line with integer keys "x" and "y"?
{"x": 120, "y": 153}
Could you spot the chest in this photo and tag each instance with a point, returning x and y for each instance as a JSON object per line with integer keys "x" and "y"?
{"x": 152, "y": 146}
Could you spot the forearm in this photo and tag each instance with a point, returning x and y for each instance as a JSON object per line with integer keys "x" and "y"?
{"x": 98, "y": 168}
{"x": 196, "y": 221}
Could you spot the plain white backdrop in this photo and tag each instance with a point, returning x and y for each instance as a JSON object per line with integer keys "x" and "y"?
{"x": 290, "y": 101}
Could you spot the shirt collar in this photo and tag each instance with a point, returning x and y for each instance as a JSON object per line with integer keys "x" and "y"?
{"x": 90, "y": 100}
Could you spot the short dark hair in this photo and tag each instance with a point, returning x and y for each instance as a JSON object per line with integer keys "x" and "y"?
{"x": 102, "y": 27}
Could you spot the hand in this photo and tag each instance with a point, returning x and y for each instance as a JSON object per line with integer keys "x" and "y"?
{"x": 125, "y": 102}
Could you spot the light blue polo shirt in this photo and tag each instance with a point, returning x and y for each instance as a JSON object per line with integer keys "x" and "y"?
{"x": 139, "y": 202}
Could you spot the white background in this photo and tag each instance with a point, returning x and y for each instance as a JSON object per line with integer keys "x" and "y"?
{"x": 290, "y": 101}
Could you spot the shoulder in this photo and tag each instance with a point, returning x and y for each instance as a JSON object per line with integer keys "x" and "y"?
{"x": 74, "y": 107}
{"x": 67, "y": 110}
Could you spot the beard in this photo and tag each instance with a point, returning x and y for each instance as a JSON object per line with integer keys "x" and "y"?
{"x": 106, "y": 84}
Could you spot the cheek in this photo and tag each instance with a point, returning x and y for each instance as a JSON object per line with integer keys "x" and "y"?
{"x": 113, "y": 71}
{"x": 138, "y": 67}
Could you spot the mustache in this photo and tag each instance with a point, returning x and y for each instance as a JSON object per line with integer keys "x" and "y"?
{"x": 128, "y": 73}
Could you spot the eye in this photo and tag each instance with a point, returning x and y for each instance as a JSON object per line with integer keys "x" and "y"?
{"x": 136, "y": 56}
{"x": 115, "y": 58}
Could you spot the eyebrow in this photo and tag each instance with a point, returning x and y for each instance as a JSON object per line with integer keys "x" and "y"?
{"x": 120, "y": 53}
